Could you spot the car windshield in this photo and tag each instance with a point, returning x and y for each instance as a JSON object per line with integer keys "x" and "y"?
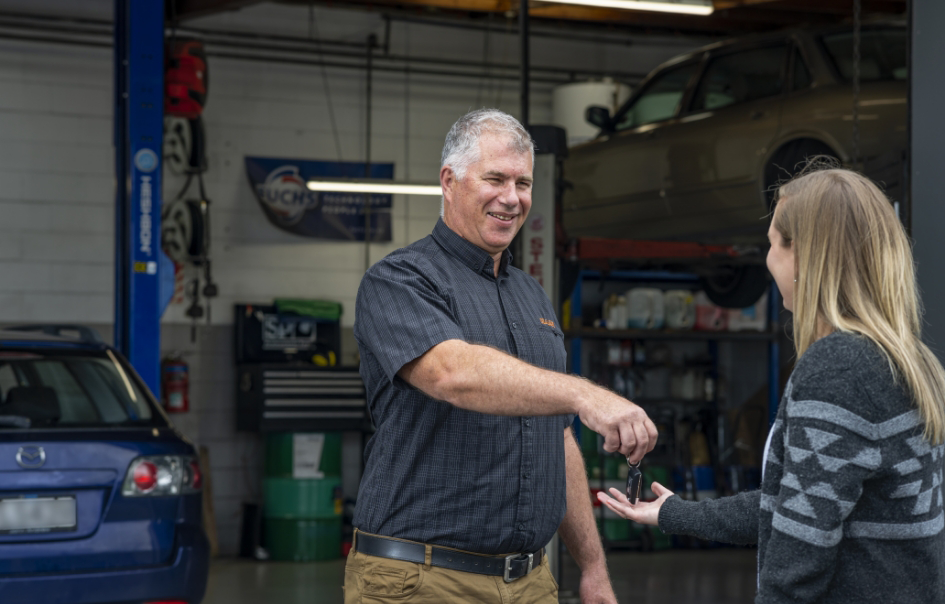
{"x": 62, "y": 389}
{"x": 882, "y": 54}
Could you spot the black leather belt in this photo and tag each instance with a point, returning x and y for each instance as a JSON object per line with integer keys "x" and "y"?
{"x": 509, "y": 568}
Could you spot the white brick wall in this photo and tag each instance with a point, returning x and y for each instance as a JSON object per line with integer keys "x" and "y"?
{"x": 56, "y": 183}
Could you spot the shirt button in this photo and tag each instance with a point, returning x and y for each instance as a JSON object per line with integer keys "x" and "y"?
{"x": 521, "y": 526}
{"x": 525, "y": 476}
{"x": 514, "y": 325}
{"x": 528, "y": 423}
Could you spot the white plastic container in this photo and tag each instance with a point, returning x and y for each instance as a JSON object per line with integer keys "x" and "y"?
{"x": 709, "y": 317}
{"x": 617, "y": 314}
{"x": 680, "y": 308}
{"x": 569, "y": 102}
{"x": 753, "y": 318}
{"x": 645, "y": 308}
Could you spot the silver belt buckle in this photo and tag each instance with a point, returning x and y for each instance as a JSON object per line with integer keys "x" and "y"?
{"x": 508, "y": 566}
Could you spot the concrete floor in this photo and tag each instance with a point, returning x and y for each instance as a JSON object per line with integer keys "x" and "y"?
{"x": 715, "y": 576}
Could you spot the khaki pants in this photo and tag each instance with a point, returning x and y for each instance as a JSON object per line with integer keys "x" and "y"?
{"x": 373, "y": 580}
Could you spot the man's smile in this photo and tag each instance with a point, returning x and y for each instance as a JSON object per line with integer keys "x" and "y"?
{"x": 502, "y": 217}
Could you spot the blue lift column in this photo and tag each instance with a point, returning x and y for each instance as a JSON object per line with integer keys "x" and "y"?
{"x": 139, "y": 129}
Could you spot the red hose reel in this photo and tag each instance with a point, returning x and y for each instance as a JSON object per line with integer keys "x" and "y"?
{"x": 185, "y": 77}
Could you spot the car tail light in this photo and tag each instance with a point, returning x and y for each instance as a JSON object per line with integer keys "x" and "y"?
{"x": 193, "y": 477}
{"x": 145, "y": 476}
{"x": 162, "y": 475}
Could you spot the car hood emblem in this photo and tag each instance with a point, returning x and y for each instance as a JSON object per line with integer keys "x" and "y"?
{"x": 31, "y": 457}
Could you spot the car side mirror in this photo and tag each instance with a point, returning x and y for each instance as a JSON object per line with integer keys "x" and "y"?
{"x": 598, "y": 116}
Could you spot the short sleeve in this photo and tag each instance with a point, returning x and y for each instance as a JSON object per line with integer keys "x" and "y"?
{"x": 568, "y": 420}
{"x": 401, "y": 313}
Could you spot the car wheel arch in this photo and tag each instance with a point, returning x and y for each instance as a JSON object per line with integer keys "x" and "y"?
{"x": 782, "y": 152}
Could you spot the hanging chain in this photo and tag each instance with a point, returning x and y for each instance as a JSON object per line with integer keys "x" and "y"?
{"x": 857, "y": 17}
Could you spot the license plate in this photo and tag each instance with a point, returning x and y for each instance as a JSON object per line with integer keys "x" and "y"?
{"x": 37, "y": 514}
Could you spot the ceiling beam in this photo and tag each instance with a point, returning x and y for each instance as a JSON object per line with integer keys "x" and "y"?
{"x": 823, "y": 6}
{"x": 183, "y": 10}
{"x": 731, "y": 17}
{"x": 742, "y": 19}
{"x": 722, "y": 21}
{"x": 724, "y": 4}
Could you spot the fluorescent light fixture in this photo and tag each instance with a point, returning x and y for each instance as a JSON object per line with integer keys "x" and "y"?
{"x": 662, "y": 7}
{"x": 351, "y": 186}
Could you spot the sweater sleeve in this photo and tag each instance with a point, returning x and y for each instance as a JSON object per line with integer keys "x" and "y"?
{"x": 829, "y": 451}
{"x": 728, "y": 519}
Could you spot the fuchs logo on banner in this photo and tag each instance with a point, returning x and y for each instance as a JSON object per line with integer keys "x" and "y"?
{"x": 286, "y": 195}
{"x": 280, "y": 187}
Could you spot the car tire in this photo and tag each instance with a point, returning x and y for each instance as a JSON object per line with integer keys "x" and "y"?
{"x": 736, "y": 286}
{"x": 790, "y": 160}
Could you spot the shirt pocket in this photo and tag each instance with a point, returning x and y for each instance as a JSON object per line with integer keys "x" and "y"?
{"x": 551, "y": 351}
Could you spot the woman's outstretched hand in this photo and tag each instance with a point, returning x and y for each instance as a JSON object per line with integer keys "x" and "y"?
{"x": 644, "y": 512}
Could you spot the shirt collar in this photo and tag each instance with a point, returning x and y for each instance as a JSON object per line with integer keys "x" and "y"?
{"x": 468, "y": 253}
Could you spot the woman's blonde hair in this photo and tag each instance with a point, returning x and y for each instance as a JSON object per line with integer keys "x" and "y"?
{"x": 855, "y": 272}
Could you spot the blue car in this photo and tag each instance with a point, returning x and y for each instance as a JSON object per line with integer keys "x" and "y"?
{"x": 100, "y": 497}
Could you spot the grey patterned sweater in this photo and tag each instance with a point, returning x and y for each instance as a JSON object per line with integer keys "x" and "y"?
{"x": 850, "y": 506}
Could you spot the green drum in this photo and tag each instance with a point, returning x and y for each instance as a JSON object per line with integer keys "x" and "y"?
{"x": 282, "y": 448}
{"x": 303, "y": 540}
{"x": 305, "y": 499}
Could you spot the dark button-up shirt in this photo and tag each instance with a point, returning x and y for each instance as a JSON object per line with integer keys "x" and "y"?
{"x": 436, "y": 473}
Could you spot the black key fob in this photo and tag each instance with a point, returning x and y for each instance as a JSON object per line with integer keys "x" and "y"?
{"x": 634, "y": 482}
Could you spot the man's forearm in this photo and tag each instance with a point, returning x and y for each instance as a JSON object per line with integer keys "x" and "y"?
{"x": 483, "y": 379}
{"x": 480, "y": 378}
{"x": 579, "y": 530}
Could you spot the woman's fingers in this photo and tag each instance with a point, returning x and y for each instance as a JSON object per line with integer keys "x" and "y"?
{"x": 619, "y": 496}
{"x": 659, "y": 490}
{"x": 616, "y": 502}
{"x": 623, "y": 508}
{"x": 643, "y": 512}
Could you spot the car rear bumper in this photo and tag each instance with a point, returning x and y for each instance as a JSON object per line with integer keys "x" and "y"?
{"x": 185, "y": 578}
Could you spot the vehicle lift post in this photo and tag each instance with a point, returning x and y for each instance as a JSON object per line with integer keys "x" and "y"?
{"x": 138, "y": 138}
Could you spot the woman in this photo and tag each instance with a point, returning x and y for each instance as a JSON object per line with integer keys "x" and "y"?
{"x": 850, "y": 507}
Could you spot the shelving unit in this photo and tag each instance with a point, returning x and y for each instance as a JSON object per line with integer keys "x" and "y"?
{"x": 670, "y": 411}
{"x": 600, "y": 333}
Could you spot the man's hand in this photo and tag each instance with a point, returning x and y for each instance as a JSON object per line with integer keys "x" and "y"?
{"x": 624, "y": 425}
{"x": 596, "y": 588}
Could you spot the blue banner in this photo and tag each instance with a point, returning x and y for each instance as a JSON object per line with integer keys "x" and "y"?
{"x": 279, "y": 186}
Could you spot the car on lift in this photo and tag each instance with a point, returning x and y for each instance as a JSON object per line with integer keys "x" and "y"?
{"x": 100, "y": 497}
{"x": 696, "y": 153}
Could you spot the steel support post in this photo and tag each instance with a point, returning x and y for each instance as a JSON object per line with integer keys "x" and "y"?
{"x": 138, "y": 134}
{"x": 927, "y": 125}
{"x": 524, "y": 41}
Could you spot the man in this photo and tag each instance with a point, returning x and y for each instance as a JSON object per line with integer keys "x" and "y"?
{"x": 474, "y": 465}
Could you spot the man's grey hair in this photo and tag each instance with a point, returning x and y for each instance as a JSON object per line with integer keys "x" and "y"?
{"x": 461, "y": 148}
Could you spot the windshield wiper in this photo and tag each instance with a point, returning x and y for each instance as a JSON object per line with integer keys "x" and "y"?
{"x": 17, "y": 421}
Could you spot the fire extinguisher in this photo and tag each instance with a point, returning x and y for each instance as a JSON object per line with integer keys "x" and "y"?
{"x": 175, "y": 385}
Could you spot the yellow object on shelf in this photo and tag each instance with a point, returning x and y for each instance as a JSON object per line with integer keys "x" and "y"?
{"x": 698, "y": 448}
{"x": 325, "y": 360}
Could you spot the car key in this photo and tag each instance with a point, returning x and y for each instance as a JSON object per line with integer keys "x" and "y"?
{"x": 634, "y": 481}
